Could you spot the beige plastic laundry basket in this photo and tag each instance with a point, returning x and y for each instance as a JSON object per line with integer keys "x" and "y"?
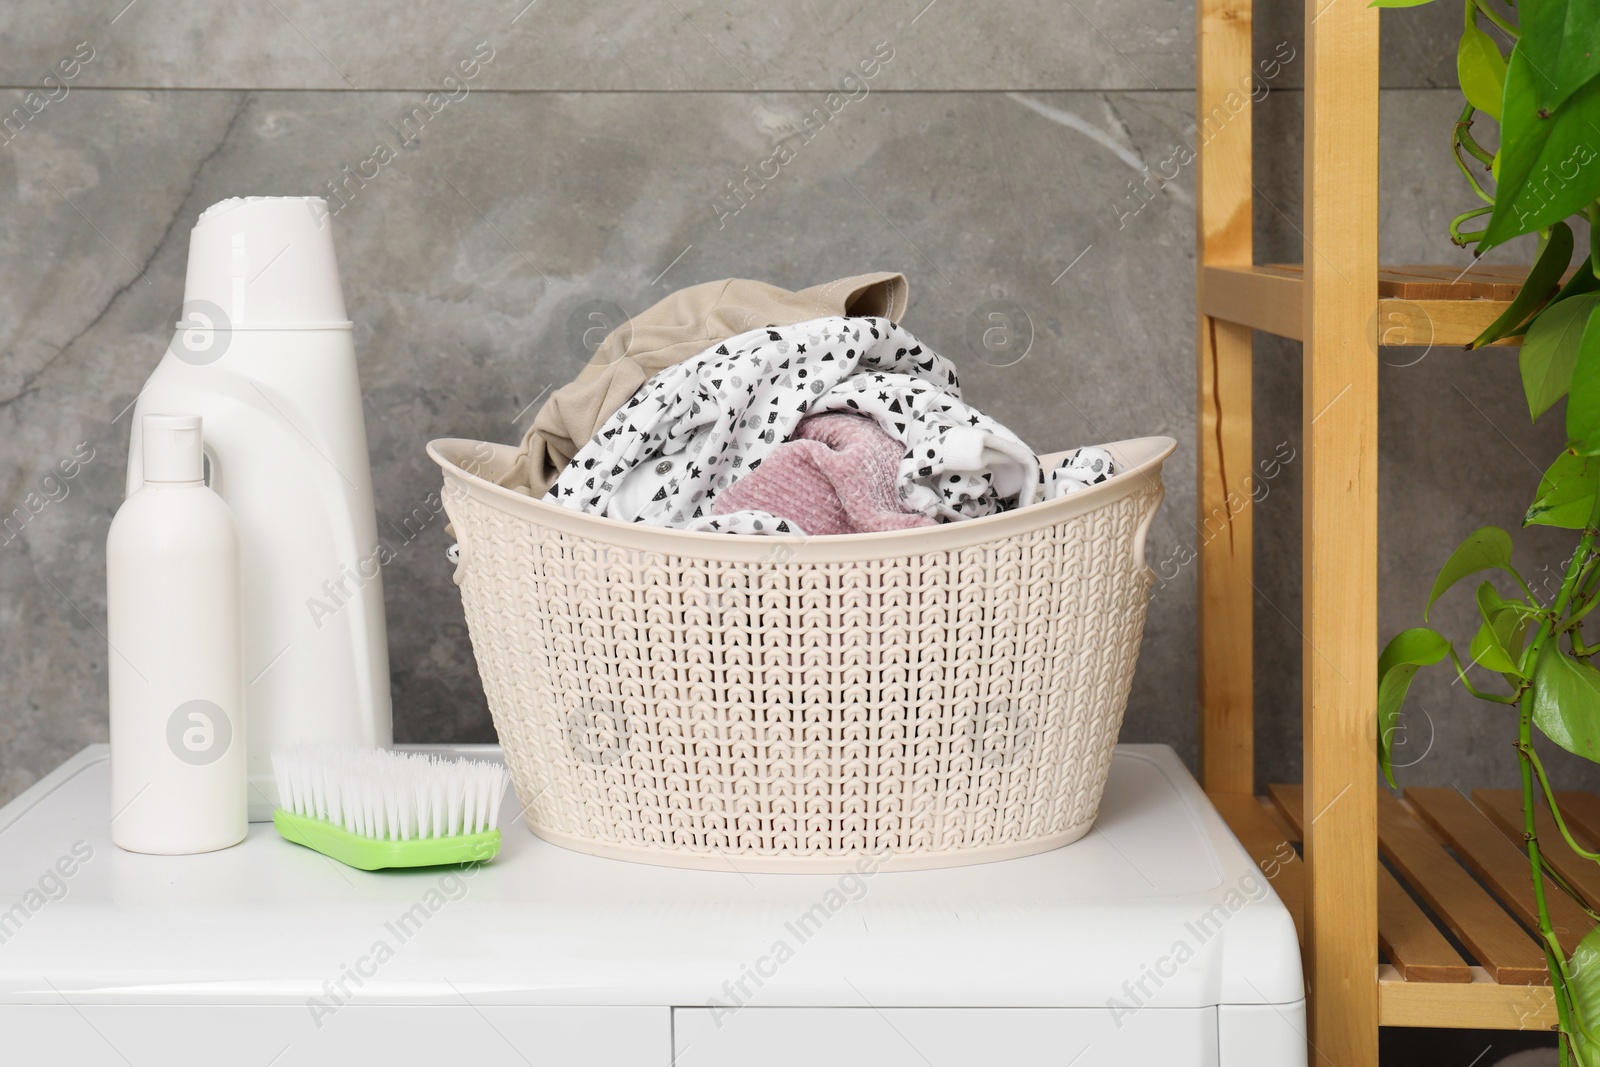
{"x": 928, "y": 698}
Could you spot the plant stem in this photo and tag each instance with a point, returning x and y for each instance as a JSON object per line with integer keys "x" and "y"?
{"x": 1527, "y": 592}
{"x": 1592, "y": 213}
{"x": 1555, "y": 811}
{"x": 1589, "y": 582}
{"x": 1555, "y": 959}
{"x": 1496, "y": 18}
{"x": 1461, "y": 676}
{"x": 1566, "y": 887}
{"x": 1466, "y": 216}
{"x": 1575, "y": 568}
{"x": 1575, "y": 620}
{"x": 1584, "y": 602}
{"x": 1480, "y": 153}
{"x": 1463, "y": 135}
{"x": 1456, "y": 145}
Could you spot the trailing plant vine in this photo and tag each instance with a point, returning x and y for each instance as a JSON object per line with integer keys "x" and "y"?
{"x": 1533, "y": 69}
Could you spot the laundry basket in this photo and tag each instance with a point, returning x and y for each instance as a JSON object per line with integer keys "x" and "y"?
{"x": 909, "y": 699}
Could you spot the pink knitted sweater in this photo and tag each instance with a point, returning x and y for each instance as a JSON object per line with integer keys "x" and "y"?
{"x": 836, "y": 475}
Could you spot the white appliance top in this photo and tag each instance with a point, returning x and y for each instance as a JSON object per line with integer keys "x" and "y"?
{"x": 1158, "y": 906}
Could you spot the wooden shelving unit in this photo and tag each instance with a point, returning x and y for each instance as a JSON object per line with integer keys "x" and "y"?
{"x": 1447, "y": 905}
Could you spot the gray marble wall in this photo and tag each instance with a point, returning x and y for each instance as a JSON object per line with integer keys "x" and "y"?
{"x": 587, "y": 158}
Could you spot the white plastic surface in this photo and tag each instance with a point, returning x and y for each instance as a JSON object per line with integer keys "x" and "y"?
{"x": 284, "y": 1035}
{"x": 176, "y": 682}
{"x": 1262, "y": 1035}
{"x": 933, "y": 1037}
{"x": 288, "y": 452}
{"x": 269, "y": 922}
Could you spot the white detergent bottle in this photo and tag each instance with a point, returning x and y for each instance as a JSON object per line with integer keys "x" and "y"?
{"x": 263, "y": 352}
{"x": 176, "y": 680}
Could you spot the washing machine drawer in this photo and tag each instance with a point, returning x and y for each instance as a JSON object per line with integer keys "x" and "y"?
{"x": 943, "y": 1037}
{"x": 287, "y": 1035}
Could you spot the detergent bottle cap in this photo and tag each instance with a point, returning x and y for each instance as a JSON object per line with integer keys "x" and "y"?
{"x": 263, "y": 263}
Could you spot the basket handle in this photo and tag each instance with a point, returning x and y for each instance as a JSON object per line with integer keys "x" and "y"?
{"x": 459, "y": 553}
{"x": 1157, "y": 494}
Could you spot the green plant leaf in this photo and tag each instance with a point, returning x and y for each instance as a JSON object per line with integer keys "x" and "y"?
{"x": 1560, "y": 38}
{"x": 1583, "y": 405}
{"x": 1480, "y": 67}
{"x": 1498, "y": 644}
{"x": 1583, "y": 280}
{"x": 1491, "y": 604}
{"x": 1550, "y": 350}
{"x": 1545, "y": 167}
{"x": 1488, "y": 548}
{"x": 1542, "y": 282}
{"x": 1566, "y": 493}
{"x": 1583, "y": 982}
{"x": 1566, "y": 702}
{"x": 1486, "y": 651}
{"x": 1397, "y": 665}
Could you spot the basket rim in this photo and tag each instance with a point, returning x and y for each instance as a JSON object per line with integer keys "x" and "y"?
{"x": 1142, "y": 456}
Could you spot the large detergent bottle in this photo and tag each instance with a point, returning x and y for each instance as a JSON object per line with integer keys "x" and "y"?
{"x": 263, "y": 354}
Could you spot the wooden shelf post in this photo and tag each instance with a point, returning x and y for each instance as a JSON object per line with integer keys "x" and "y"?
{"x": 1339, "y": 539}
{"x": 1463, "y": 861}
{"x": 1223, "y": 529}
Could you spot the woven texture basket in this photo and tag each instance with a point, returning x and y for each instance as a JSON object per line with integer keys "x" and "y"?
{"x": 931, "y": 697}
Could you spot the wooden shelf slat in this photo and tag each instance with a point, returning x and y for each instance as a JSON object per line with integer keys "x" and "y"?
{"x": 1419, "y": 283}
{"x": 1415, "y": 947}
{"x": 1482, "y": 1004}
{"x": 1501, "y": 945}
{"x": 1510, "y": 990}
{"x": 1504, "y": 808}
{"x": 1411, "y": 309}
{"x": 1498, "y": 863}
{"x": 1263, "y": 838}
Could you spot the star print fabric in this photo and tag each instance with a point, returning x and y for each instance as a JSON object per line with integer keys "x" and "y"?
{"x": 694, "y": 429}
{"x": 1081, "y": 469}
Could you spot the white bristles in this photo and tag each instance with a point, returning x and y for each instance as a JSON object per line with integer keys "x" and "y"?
{"x": 390, "y": 796}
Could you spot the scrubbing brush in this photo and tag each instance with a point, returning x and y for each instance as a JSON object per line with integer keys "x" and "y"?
{"x": 376, "y": 808}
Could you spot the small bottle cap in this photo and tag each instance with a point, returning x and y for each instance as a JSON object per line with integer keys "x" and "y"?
{"x": 172, "y": 449}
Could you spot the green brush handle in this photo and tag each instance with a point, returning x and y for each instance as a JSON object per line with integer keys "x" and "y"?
{"x": 367, "y": 854}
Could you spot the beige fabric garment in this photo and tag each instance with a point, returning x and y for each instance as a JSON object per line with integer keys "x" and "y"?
{"x": 679, "y": 328}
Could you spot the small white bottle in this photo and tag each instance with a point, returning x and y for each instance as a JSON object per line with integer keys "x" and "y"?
{"x": 176, "y": 676}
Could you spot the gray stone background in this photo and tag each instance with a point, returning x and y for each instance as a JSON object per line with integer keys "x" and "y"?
{"x": 993, "y": 158}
